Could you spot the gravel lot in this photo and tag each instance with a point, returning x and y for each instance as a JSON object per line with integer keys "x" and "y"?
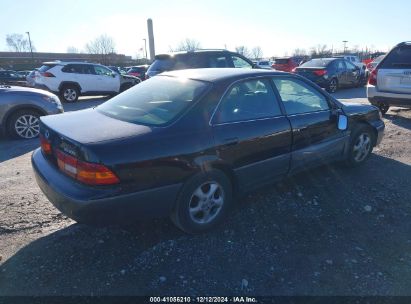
{"x": 330, "y": 231}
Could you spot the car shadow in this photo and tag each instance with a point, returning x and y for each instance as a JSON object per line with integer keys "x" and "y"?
{"x": 398, "y": 118}
{"x": 315, "y": 233}
{"x": 11, "y": 148}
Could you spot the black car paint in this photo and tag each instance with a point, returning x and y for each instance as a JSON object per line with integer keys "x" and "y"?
{"x": 346, "y": 77}
{"x": 161, "y": 159}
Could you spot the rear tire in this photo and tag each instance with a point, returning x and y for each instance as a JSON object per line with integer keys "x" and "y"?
{"x": 69, "y": 93}
{"x": 24, "y": 124}
{"x": 332, "y": 86}
{"x": 203, "y": 202}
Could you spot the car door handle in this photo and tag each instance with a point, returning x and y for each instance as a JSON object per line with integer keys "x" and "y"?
{"x": 231, "y": 141}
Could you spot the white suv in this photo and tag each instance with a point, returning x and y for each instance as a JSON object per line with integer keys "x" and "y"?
{"x": 72, "y": 79}
{"x": 390, "y": 81}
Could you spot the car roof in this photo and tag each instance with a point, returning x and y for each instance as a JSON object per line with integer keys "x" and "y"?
{"x": 171, "y": 54}
{"x": 220, "y": 74}
{"x": 69, "y": 62}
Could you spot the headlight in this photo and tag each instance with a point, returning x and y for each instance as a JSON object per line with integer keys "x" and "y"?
{"x": 54, "y": 99}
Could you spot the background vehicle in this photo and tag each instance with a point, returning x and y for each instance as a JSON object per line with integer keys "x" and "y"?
{"x": 331, "y": 73}
{"x": 198, "y": 59}
{"x": 264, "y": 64}
{"x": 138, "y": 71}
{"x": 355, "y": 60}
{"x": 184, "y": 142}
{"x": 118, "y": 70}
{"x": 31, "y": 78}
{"x": 21, "y": 108}
{"x": 390, "y": 81}
{"x": 287, "y": 64}
{"x": 10, "y": 77}
{"x": 72, "y": 79}
{"x": 371, "y": 66}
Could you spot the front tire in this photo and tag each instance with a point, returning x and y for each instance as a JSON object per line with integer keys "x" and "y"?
{"x": 24, "y": 124}
{"x": 332, "y": 86}
{"x": 203, "y": 202}
{"x": 361, "y": 145}
{"x": 69, "y": 93}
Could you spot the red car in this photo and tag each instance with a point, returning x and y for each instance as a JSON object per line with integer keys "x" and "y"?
{"x": 371, "y": 66}
{"x": 287, "y": 64}
{"x": 138, "y": 71}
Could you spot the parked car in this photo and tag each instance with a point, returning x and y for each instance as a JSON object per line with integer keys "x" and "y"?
{"x": 21, "y": 108}
{"x": 118, "y": 70}
{"x": 371, "y": 66}
{"x": 198, "y": 59}
{"x": 331, "y": 73}
{"x": 287, "y": 64}
{"x": 31, "y": 78}
{"x": 10, "y": 77}
{"x": 356, "y": 61}
{"x": 390, "y": 82}
{"x": 185, "y": 143}
{"x": 23, "y": 74}
{"x": 264, "y": 64}
{"x": 72, "y": 79}
{"x": 138, "y": 71}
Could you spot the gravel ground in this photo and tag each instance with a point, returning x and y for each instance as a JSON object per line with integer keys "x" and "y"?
{"x": 329, "y": 231}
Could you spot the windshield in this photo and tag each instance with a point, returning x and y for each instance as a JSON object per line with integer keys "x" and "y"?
{"x": 156, "y": 101}
{"x": 316, "y": 63}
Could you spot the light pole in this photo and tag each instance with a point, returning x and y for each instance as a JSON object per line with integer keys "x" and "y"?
{"x": 31, "y": 49}
{"x": 145, "y": 47}
{"x": 345, "y": 45}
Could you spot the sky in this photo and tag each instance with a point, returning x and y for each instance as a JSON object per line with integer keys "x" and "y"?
{"x": 278, "y": 27}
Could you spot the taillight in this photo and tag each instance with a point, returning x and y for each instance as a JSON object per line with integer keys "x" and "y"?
{"x": 320, "y": 72}
{"x": 88, "y": 173}
{"x": 47, "y": 74}
{"x": 373, "y": 77}
{"x": 45, "y": 145}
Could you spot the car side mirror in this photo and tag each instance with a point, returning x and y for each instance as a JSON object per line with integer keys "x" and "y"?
{"x": 342, "y": 122}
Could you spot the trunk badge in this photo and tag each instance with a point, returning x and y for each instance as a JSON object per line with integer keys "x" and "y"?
{"x": 47, "y": 134}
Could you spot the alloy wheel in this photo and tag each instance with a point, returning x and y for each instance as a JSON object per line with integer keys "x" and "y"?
{"x": 362, "y": 147}
{"x": 27, "y": 126}
{"x": 206, "y": 202}
{"x": 70, "y": 94}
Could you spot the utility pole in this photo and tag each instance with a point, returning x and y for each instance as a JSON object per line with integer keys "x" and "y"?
{"x": 145, "y": 47}
{"x": 31, "y": 49}
{"x": 151, "y": 38}
{"x": 345, "y": 45}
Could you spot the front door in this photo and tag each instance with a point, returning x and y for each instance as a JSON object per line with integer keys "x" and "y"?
{"x": 251, "y": 132}
{"x": 316, "y": 137}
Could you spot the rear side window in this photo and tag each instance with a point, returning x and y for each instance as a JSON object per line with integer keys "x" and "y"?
{"x": 298, "y": 97}
{"x": 216, "y": 61}
{"x": 398, "y": 58}
{"x": 163, "y": 63}
{"x": 281, "y": 61}
{"x": 248, "y": 100}
{"x": 316, "y": 63}
{"x": 46, "y": 67}
{"x": 156, "y": 101}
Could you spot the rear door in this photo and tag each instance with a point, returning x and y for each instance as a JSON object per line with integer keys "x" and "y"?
{"x": 394, "y": 72}
{"x": 342, "y": 72}
{"x": 106, "y": 80}
{"x": 353, "y": 73}
{"x": 316, "y": 138}
{"x": 251, "y": 132}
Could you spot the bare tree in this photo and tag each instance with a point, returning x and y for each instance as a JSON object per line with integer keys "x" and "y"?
{"x": 187, "y": 44}
{"x": 243, "y": 50}
{"x": 103, "y": 45}
{"x": 17, "y": 43}
{"x": 320, "y": 51}
{"x": 72, "y": 50}
{"x": 257, "y": 53}
{"x": 299, "y": 52}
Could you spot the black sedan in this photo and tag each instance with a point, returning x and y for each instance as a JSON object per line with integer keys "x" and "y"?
{"x": 187, "y": 142}
{"x": 10, "y": 77}
{"x": 331, "y": 73}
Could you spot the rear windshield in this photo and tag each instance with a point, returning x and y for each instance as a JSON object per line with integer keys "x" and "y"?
{"x": 316, "y": 63}
{"x": 46, "y": 67}
{"x": 156, "y": 101}
{"x": 162, "y": 64}
{"x": 398, "y": 58}
{"x": 281, "y": 61}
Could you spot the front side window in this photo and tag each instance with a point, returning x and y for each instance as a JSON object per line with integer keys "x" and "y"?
{"x": 241, "y": 63}
{"x": 218, "y": 62}
{"x": 156, "y": 101}
{"x": 298, "y": 97}
{"x": 100, "y": 70}
{"x": 248, "y": 100}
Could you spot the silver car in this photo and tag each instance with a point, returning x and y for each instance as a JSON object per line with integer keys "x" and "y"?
{"x": 20, "y": 109}
{"x": 390, "y": 82}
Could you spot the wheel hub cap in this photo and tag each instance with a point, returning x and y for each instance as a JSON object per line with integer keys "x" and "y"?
{"x": 206, "y": 202}
{"x": 27, "y": 126}
{"x": 362, "y": 147}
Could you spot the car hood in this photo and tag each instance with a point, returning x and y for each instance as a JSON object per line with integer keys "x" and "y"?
{"x": 20, "y": 90}
{"x": 352, "y": 108}
{"x": 90, "y": 126}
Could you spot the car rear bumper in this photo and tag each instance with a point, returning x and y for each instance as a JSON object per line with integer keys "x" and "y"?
{"x": 100, "y": 205}
{"x": 376, "y": 97}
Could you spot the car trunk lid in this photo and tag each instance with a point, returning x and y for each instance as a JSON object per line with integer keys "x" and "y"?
{"x": 394, "y": 80}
